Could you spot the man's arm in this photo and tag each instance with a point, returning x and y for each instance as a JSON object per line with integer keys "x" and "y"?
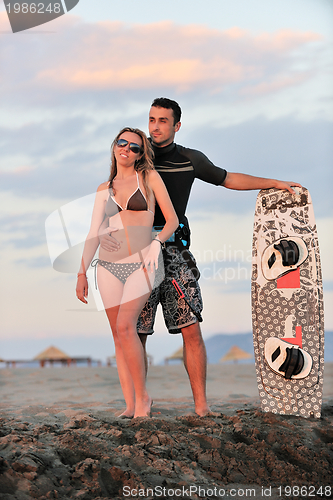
{"x": 107, "y": 242}
{"x": 247, "y": 182}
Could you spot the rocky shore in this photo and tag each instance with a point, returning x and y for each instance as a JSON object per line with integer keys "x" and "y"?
{"x": 70, "y": 450}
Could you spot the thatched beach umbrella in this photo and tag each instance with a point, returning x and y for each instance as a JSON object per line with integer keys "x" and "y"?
{"x": 234, "y": 354}
{"x": 52, "y": 354}
{"x": 178, "y": 355}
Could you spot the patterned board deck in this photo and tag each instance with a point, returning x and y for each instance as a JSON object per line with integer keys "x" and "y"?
{"x": 290, "y": 306}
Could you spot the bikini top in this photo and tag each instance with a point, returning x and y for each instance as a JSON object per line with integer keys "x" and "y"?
{"x": 136, "y": 202}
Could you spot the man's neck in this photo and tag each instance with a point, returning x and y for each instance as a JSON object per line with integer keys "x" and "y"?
{"x": 159, "y": 150}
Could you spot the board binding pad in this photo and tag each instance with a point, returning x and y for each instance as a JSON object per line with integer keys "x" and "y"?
{"x": 287, "y": 304}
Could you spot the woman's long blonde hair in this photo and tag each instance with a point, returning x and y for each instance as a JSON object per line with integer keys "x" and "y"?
{"x": 143, "y": 164}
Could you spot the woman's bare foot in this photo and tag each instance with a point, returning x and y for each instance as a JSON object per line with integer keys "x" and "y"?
{"x": 143, "y": 408}
{"x": 125, "y": 415}
{"x": 203, "y": 411}
{"x": 128, "y": 413}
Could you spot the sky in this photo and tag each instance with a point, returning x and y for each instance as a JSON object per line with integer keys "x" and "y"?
{"x": 254, "y": 81}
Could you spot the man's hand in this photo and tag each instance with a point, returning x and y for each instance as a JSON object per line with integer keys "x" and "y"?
{"x": 107, "y": 241}
{"x": 287, "y": 186}
{"x": 248, "y": 182}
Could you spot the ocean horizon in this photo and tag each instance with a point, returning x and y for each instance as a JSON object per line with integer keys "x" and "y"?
{"x": 159, "y": 347}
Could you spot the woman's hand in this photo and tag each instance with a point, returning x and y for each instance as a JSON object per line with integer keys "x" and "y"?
{"x": 151, "y": 260}
{"x": 82, "y": 288}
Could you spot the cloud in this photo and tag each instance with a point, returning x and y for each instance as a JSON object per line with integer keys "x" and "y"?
{"x": 278, "y": 83}
{"x": 286, "y": 149}
{"x": 115, "y": 56}
{"x": 72, "y": 163}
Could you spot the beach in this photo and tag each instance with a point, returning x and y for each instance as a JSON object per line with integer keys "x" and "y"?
{"x": 60, "y": 437}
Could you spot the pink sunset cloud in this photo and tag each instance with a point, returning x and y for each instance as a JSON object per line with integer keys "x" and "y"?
{"x": 115, "y": 56}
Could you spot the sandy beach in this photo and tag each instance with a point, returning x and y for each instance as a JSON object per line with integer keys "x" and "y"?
{"x": 60, "y": 438}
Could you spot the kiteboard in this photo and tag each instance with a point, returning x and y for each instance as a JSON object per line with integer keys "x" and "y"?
{"x": 287, "y": 304}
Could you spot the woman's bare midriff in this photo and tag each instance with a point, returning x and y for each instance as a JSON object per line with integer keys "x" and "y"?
{"x": 134, "y": 235}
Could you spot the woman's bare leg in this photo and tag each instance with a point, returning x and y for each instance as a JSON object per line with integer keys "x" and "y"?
{"x": 111, "y": 291}
{"x": 125, "y": 377}
{"x": 136, "y": 286}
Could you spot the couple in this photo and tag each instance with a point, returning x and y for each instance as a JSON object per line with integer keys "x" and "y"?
{"x": 130, "y": 256}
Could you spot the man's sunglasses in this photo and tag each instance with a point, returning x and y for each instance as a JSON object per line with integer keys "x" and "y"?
{"x": 135, "y": 148}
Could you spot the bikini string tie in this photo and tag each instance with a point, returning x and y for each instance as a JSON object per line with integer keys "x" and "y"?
{"x": 94, "y": 264}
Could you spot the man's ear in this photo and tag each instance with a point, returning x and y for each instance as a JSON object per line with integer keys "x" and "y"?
{"x": 177, "y": 126}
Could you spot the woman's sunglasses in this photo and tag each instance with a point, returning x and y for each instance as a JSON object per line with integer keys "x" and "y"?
{"x": 135, "y": 148}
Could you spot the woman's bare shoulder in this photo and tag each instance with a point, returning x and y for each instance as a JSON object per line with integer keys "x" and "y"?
{"x": 153, "y": 176}
{"x": 103, "y": 186}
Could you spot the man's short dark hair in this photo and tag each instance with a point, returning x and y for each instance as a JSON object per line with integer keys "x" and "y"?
{"x": 164, "y": 102}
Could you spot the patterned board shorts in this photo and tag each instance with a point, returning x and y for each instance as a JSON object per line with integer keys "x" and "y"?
{"x": 179, "y": 294}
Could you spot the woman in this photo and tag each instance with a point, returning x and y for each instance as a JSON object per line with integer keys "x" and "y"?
{"x": 126, "y": 276}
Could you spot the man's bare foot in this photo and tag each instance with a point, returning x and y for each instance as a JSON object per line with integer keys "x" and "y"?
{"x": 143, "y": 408}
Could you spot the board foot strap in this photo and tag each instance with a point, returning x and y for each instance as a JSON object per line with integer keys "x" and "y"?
{"x": 293, "y": 364}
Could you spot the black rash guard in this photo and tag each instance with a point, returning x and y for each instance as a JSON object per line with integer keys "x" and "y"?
{"x": 178, "y": 167}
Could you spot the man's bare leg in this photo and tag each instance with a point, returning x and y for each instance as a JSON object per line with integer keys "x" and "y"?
{"x": 143, "y": 339}
{"x": 195, "y": 361}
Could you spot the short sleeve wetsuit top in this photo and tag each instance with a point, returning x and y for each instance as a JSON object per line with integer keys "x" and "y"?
{"x": 179, "y": 167}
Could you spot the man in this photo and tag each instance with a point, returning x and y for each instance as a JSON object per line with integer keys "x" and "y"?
{"x": 180, "y": 295}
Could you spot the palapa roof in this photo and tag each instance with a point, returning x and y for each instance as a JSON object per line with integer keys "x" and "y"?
{"x": 176, "y": 355}
{"x": 235, "y": 353}
{"x": 52, "y": 353}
